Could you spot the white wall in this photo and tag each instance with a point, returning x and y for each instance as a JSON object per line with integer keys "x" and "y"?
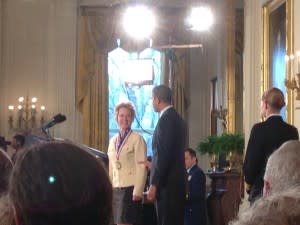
{"x": 39, "y": 59}
{"x": 206, "y": 64}
{"x": 2, "y": 108}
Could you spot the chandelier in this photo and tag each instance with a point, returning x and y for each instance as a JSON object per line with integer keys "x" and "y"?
{"x": 26, "y": 116}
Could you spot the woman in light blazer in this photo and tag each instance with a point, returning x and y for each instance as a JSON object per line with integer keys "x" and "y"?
{"x": 128, "y": 176}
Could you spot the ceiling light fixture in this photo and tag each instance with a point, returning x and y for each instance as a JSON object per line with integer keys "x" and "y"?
{"x": 139, "y": 21}
{"x": 201, "y": 19}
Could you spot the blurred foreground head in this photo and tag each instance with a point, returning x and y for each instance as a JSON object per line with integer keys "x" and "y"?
{"x": 283, "y": 168}
{"x": 62, "y": 184}
{"x": 282, "y": 208}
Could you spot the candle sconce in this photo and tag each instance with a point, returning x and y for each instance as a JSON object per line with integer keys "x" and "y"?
{"x": 221, "y": 114}
{"x": 25, "y": 118}
{"x": 294, "y": 83}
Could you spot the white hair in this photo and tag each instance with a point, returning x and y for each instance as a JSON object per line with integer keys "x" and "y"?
{"x": 283, "y": 167}
{"x": 282, "y": 208}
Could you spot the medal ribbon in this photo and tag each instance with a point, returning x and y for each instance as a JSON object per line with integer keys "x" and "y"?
{"x": 121, "y": 140}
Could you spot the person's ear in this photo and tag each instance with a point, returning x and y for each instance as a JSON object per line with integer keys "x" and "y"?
{"x": 267, "y": 188}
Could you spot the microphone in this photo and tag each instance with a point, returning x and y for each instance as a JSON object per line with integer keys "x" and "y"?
{"x": 55, "y": 120}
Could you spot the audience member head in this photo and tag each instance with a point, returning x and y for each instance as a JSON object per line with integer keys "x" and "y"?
{"x": 6, "y": 211}
{"x": 60, "y": 183}
{"x": 3, "y": 143}
{"x": 279, "y": 209}
{"x": 5, "y": 170}
{"x": 272, "y": 101}
{"x": 283, "y": 168}
{"x": 190, "y": 158}
{"x": 161, "y": 97}
{"x": 18, "y": 141}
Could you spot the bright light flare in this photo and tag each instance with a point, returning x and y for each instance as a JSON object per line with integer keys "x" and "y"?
{"x": 21, "y": 99}
{"x": 34, "y": 100}
{"x": 139, "y": 22}
{"x": 201, "y": 19}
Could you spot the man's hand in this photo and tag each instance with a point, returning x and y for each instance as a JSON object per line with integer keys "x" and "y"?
{"x": 151, "y": 196}
{"x": 136, "y": 198}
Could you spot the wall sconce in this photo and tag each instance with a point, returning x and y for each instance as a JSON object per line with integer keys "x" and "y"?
{"x": 24, "y": 119}
{"x": 221, "y": 114}
{"x": 294, "y": 83}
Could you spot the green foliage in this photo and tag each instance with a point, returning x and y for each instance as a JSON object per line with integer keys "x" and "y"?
{"x": 208, "y": 146}
{"x": 222, "y": 144}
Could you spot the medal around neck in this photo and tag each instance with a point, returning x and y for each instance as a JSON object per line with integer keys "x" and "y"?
{"x": 118, "y": 165}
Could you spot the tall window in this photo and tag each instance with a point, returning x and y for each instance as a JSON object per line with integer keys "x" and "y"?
{"x": 125, "y": 70}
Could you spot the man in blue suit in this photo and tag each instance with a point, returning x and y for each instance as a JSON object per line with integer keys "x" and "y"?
{"x": 195, "y": 210}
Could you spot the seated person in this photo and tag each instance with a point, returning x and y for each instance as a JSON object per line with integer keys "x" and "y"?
{"x": 59, "y": 183}
{"x": 278, "y": 209}
{"x": 17, "y": 143}
{"x": 5, "y": 170}
{"x": 283, "y": 168}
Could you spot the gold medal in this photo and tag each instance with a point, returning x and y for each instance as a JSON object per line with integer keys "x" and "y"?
{"x": 118, "y": 165}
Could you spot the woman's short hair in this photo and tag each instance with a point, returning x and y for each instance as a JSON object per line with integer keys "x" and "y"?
{"x": 274, "y": 97}
{"x": 127, "y": 105}
{"x": 60, "y": 183}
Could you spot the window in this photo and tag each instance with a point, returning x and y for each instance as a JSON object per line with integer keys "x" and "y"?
{"x": 125, "y": 72}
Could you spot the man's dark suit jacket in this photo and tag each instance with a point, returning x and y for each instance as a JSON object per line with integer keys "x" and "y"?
{"x": 168, "y": 172}
{"x": 265, "y": 138}
{"x": 195, "y": 209}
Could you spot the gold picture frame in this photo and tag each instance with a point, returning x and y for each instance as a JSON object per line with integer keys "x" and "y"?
{"x": 268, "y": 9}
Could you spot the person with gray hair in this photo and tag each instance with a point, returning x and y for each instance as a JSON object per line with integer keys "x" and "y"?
{"x": 278, "y": 209}
{"x": 283, "y": 168}
{"x": 168, "y": 174}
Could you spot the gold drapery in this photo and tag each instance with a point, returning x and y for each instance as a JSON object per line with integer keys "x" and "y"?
{"x": 176, "y": 76}
{"x": 91, "y": 91}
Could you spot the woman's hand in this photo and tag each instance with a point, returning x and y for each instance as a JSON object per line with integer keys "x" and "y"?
{"x": 146, "y": 163}
{"x": 136, "y": 198}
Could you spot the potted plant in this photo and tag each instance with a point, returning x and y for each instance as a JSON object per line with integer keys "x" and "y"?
{"x": 225, "y": 145}
{"x": 209, "y": 146}
{"x": 232, "y": 145}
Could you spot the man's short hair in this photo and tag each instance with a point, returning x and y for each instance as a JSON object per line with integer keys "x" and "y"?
{"x": 20, "y": 139}
{"x": 163, "y": 93}
{"x": 283, "y": 167}
{"x": 274, "y": 97}
{"x": 191, "y": 151}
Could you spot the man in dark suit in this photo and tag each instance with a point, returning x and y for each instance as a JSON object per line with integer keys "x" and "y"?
{"x": 265, "y": 138}
{"x": 168, "y": 175}
{"x": 195, "y": 209}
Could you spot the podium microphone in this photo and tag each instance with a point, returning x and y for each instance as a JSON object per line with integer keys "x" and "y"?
{"x": 55, "y": 120}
